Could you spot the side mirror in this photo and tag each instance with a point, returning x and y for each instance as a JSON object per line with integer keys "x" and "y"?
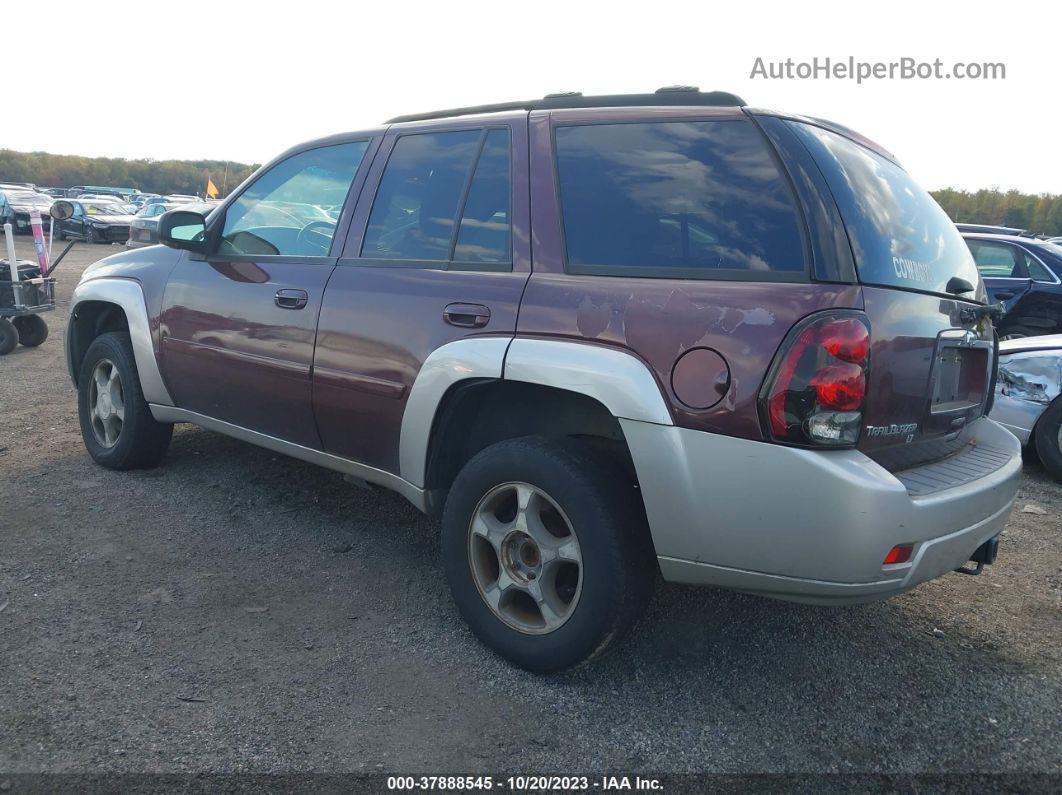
{"x": 183, "y": 229}
{"x": 61, "y": 210}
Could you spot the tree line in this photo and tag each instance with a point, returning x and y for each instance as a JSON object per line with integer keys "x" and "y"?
{"x": 150, "y": 176}
{"x": 1041, "y": 213}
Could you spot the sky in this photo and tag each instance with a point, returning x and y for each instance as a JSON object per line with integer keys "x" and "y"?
{"x": 243, "y": 81}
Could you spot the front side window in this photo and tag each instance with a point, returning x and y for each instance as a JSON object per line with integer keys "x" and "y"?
{"x": 444, "y": 197}
{"x": 282, "y": 212}
{"x": 687, "y": 198}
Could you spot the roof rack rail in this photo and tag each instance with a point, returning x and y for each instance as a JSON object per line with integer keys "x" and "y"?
{"x": 669, "y": 95}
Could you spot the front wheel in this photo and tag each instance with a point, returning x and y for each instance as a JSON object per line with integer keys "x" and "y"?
{"x": 1048, "y": 439}
{"x": 546, "y": 551}
{"x": 116, "y": 423}
{"x": 92, "y": 236}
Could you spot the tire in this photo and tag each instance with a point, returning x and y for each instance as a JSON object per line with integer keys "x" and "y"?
{"x": 59, "y": 233}
{"x": 32, "y": 330}
{"x": 1017, "y": 332}
{"x": 136, "y": 440}
{"x": 92, "y": 236}
{"x": 8, "y": 336}
{"x": 1046, "y": 438}
{"x": 592, "y": 601}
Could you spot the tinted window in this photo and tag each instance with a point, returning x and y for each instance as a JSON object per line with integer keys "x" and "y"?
{"x": 900, "y": 236}
{"x": 281, "y": 212}
{"x": 696, "y": 198}
{"x": 414, "y": 210}
{"x": 994, "y": 259}
{"x": 484, "y": 232}
{"x": 1037, "y": 270}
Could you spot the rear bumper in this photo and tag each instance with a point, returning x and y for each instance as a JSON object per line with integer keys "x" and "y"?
{"x": 806, "y": 525}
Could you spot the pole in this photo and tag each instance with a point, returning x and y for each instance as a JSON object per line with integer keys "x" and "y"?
{"x": 36, "y": 226}
{"x": 12, "y": 262}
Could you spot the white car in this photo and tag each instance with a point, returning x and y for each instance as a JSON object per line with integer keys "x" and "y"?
{"x": 1027, "y": 398}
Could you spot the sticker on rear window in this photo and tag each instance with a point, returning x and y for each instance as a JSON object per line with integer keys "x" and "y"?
{"x": 911, "y": 269}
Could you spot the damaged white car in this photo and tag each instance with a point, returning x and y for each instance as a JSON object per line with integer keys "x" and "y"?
{"x": 1027, "y": 400}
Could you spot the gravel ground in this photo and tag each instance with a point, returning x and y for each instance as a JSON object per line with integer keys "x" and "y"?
{"x": 238, "y": 611}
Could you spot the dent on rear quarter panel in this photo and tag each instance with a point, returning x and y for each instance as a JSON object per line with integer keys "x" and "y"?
{"x": 660, "y": 319}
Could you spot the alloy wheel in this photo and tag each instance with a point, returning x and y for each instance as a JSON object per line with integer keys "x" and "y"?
{"x": 106, "y": 403}
{"x": 525, "y": 558}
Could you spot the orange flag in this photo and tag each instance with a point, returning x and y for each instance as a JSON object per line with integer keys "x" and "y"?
{"x": 211, "y": 189}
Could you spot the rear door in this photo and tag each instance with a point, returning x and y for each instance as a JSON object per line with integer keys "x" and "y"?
{"x": 438, "y": 251}
{"x": 238, "y": 326}
{"x": 932, "y": 355}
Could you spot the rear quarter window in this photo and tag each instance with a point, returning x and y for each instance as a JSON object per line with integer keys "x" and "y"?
{"x": 694, "y": 199}
{"x": 900, "y": 236}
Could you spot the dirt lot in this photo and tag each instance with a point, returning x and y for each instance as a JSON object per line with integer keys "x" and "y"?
{"x": 238, "y": 611}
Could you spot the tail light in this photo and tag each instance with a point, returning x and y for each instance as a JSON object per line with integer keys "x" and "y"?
{"x": 815, "y": 391}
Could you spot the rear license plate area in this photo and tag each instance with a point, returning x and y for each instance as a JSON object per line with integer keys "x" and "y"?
{"x": 960, "y": 376}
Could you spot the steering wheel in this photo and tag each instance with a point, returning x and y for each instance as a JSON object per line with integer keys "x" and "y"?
{"x": 312, "y": 235}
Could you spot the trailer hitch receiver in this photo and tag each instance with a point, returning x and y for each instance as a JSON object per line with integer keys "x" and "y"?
{"x": 984, "y": 555}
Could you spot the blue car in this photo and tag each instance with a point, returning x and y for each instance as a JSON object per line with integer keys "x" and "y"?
{"x": 1025, "y": 275}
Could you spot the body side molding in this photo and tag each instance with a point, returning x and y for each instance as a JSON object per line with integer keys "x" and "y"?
{"x": 472, "y": 357}
{"x": 617, "y": 379}
{"x": 128, "y": 295}
{"x": 411, "y": 492}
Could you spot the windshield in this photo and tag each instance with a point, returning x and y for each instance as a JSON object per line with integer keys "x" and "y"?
{"x": 900, "y": 236}
{"x": 105, "y": 208}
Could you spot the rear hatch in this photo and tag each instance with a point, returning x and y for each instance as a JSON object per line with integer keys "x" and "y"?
{"x": 932, "y": 355}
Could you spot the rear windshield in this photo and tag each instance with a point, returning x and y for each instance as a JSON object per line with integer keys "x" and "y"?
{"x": 900, "y": 236}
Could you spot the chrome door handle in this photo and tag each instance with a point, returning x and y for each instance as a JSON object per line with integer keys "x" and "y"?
{"x": 291, "y": 299}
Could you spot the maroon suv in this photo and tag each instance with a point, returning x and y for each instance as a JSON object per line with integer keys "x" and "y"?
{"x": 602, "y": 337}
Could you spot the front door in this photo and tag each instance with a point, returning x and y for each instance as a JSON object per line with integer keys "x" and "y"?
{"x": 440, "y": 253}
{"x": 238, "y": 325}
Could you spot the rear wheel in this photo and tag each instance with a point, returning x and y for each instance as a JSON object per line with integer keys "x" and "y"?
{"x": 116, "y": 423}
{"x": 546, "y": 551}
{"x": 1048, "y": 438}
{"x": 8, "y": 336}
{"x": 32, "y": 330}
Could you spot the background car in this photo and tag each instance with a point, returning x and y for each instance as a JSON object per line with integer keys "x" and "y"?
{"x": 96, "y": 221}
{"x": 1028, "y": 400}
{"x": 144, "y": 229}
{"x": 173, "y": 198}
{"x": 989, "y": 229}
{"x": 22, "y": 202}
{"x": 1025, "y": 275}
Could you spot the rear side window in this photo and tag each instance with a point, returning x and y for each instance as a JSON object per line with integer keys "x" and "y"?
{"x": 444, "y": 197}
{"x": 996, "y": 259}
{"x": 702, "y": 199}
{"x": 900, "y": 236}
